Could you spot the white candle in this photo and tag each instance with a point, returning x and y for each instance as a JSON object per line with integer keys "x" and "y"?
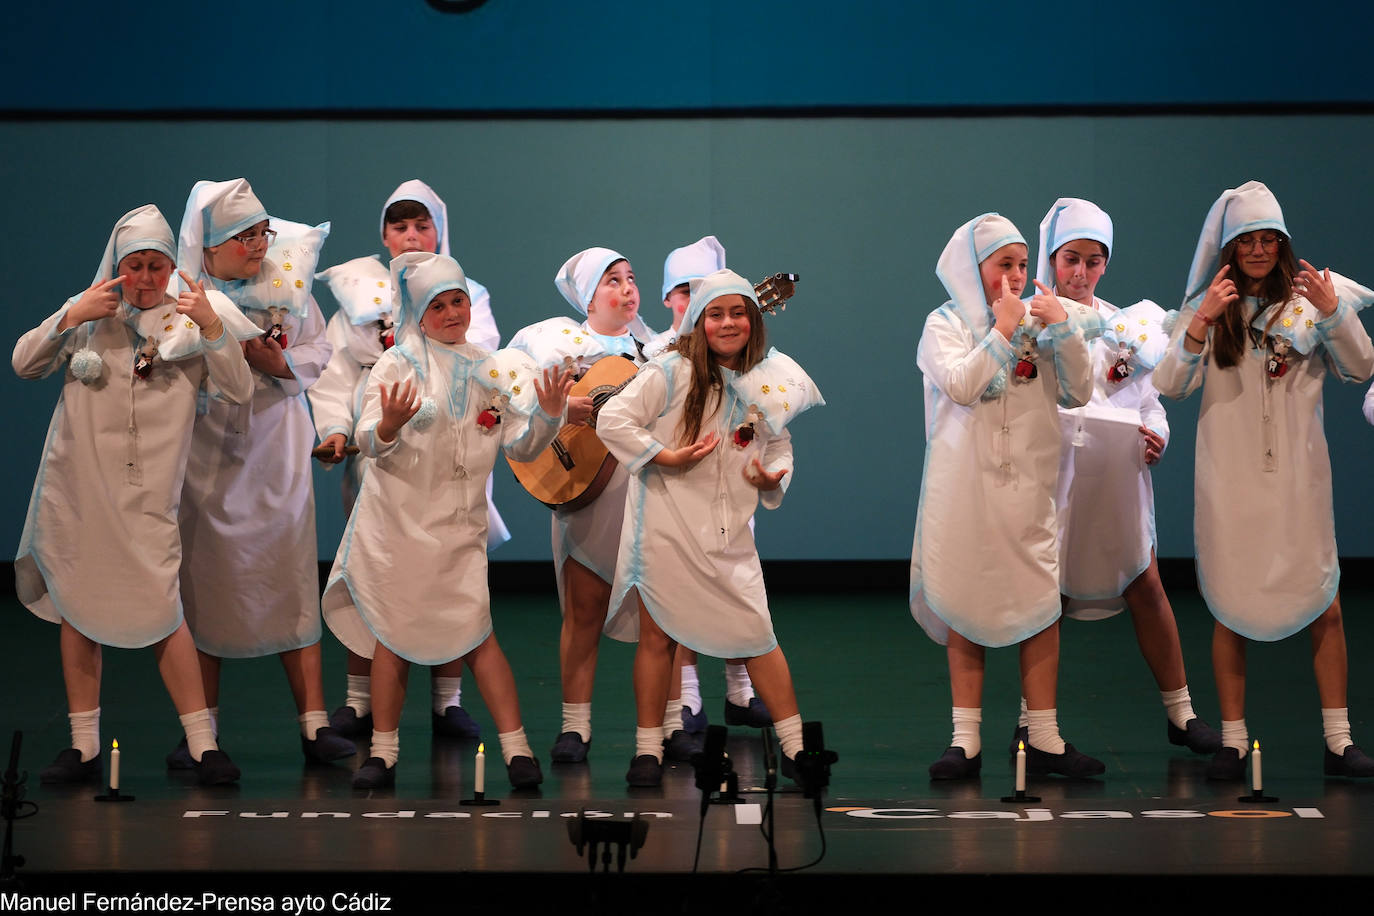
{"x": 1256, "y": 782}
{"x": 479, "y": 782}
{"x": 1021, "y": 766}
{"x": 114, "y": 768}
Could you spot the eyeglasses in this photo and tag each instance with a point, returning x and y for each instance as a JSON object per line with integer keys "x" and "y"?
{"x": 253, "y": 239}
{"x": 1269, "y": 242}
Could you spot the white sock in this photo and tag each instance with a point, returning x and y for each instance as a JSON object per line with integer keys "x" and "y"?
{"x": 649, "y": 741}
{"x": 214, "y": 721}
{"x": 1179, "y": 706}
{"x": 672, "y": 719}
{"x": 200, "y": 734}
{"x": 789, "y": 732}
{"x": 359, "y": 694}
{"x": 1336, "y": 729}
{"x": 577, "y": 717}
{"x": 86, "y": 732}
{"x": 387, "y": 745}
{"x": 1234, "y": 734}
{"x": 312, "y": 722}
{"x": 1023, "y": 721}
{"x": 445, "y": 692}
{"x": 691, "y": 690}
{"x": 1043, "y": 729}
{"x": 967, "y": 733}
{"x": 738, "y": 688}
{"x": 514, "y": 744}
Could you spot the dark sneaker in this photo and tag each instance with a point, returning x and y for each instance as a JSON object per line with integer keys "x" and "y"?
{"x": 346, "y": 721}
{"x": 180, "y": 757}
{"x": 755, "y": 715}
{"x": 1198, "y": 737}
{"x": 69, "y": 769}
{"x": 1227, "y": 766}
{"x": 1072, "y": 763}
{"x": 569, "y": 748}
{"x": 524, "y": 772}
{"x": 454, "y": 723}
{"x": 681, "y": 747}
{"x": 1353, "y": 762}
{"x": 327, "y": 746}
{"x": 646, "y": 772}
{"x": 955, "y": 764}
{"x": 374, "y": 774}
{"x": 216, "y": 769}
{"x": 694, "y": 723}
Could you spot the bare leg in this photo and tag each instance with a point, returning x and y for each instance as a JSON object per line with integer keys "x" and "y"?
{"x": 773, "y": 681}
{"x": 1155, "y": 628}
{"x": 1329, "y": 660}
{"x": 81, "y": 666}
{"x": 965, "y": 671}
{"x": 449, "y": 669}
{"x": 1228, "y": 663}
{"x": 1039, "y": 668}
{"x": 389, "y": 672}
{"x": 209, "y": 677}
{"x": 179, "y": 666}
{"x": 357, "y": 665}
{"x": 653, "y": 671}
{"x": 585, "y": 597}
{"x": 305, "y": 673}
{"x": 496, "y": 682}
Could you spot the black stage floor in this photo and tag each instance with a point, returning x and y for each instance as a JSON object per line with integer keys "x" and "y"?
{"x": 862, "y": 667}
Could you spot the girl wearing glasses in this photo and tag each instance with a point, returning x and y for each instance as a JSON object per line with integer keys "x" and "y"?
{"x": 1258, "y": 332}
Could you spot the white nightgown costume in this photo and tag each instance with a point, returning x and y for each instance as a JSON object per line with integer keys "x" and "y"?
{"x": 985, "y": 558}
{"x": 101, "y": 547}
{"x": 411, "y": 571}
{"x": 591, "y": 534}
{"x": 251, "y": 579}
{"x": 1263, "y": 516}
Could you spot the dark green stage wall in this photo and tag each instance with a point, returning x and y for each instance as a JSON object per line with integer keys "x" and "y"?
{"x": 859, "y": 207}
{"x": 840, "y": 141}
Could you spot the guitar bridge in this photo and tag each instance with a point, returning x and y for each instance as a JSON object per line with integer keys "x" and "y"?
{"x": 565, "y": 457}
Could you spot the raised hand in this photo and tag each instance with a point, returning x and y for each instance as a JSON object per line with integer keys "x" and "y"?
{"x": 1220, "y": 294}
{"x": 1316, "y": 287}
{"x": 553, "y": 393}
{"x": 399, "y": 404}
{"x": 194, "y": 304}
{"x": 100, "y": 301}
{"x": 687, "y": 455}
{"x": 1046, "y": 306}
{"x": 762, "y": 479}
{"x": 1007, "y": 311}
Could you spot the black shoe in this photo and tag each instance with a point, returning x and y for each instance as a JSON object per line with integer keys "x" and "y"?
{"x": 524, "y": 772}
{"x": 327, "y": 746}
{"x": 755, "y": 715}
{"x": 681, "y": 746}
{"x": 454, "y": 723}
{"x": 694, "y": 723}
{"x": 346, "y": 721}
{"x": 68, "y": 769}
{"x": 646, "y": 772}
{"x": 1072, "y": 763}
{"x": 955, "y": 764}
{"x": 1022, "y": 734}
{"x": 374, "y": 774}
{"x": 216, "y": 769}
{"x": 569, "y": 748}
{"x": 1354, "y": 762}
{"x": 180, "y": 758}
{"x": 1227, "y": 766}
{"x": 1198, "y": 737}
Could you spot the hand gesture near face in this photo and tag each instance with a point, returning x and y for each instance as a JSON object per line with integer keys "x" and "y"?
{"x": 1220, "y": 294}
{"x": 194, "y": 304}
{"x": 1007, "y": 311}
{"x": 763, "y": 480}
{"x": 687, "y": 455}
{"x": 1317, "y": 288}
{"x": 553, "y": 393}
{"x": 100, "y": 301}
{"x": 399, "y": 404}
{"x": 1046, "y": 306}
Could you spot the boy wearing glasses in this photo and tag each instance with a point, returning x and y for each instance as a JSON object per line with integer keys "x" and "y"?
{"x": 250, "y": 580}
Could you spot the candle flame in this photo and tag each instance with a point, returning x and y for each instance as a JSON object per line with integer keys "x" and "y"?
{"x": 116, "y": 745}
{"x": 481, "y": 748}
{"x": 1020, "y": 747}
{"x": 1257, "y": 744}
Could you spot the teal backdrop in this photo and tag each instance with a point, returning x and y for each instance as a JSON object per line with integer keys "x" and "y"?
{"x": 552, "y": 127}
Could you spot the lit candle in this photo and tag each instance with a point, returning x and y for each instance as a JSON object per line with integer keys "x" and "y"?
{"x": 479, "y": 782}
{"x": 114, "y": 768}
{"x": 1021, "y": 766}
{"x": 1256, "y": 782}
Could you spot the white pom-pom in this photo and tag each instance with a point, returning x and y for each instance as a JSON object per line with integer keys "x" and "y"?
{"x": 425, "y": 416}
{"x": 1170, "y": 319}
{"x": 86, "y": 365}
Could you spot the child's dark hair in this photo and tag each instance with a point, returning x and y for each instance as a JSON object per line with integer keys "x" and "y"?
{"x": 706, "y": 377}
{"x": 405, "y": 209}
{"x": 1231, "y": 337}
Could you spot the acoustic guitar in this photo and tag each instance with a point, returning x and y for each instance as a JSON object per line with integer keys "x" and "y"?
{"x": 574, "y": 470}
